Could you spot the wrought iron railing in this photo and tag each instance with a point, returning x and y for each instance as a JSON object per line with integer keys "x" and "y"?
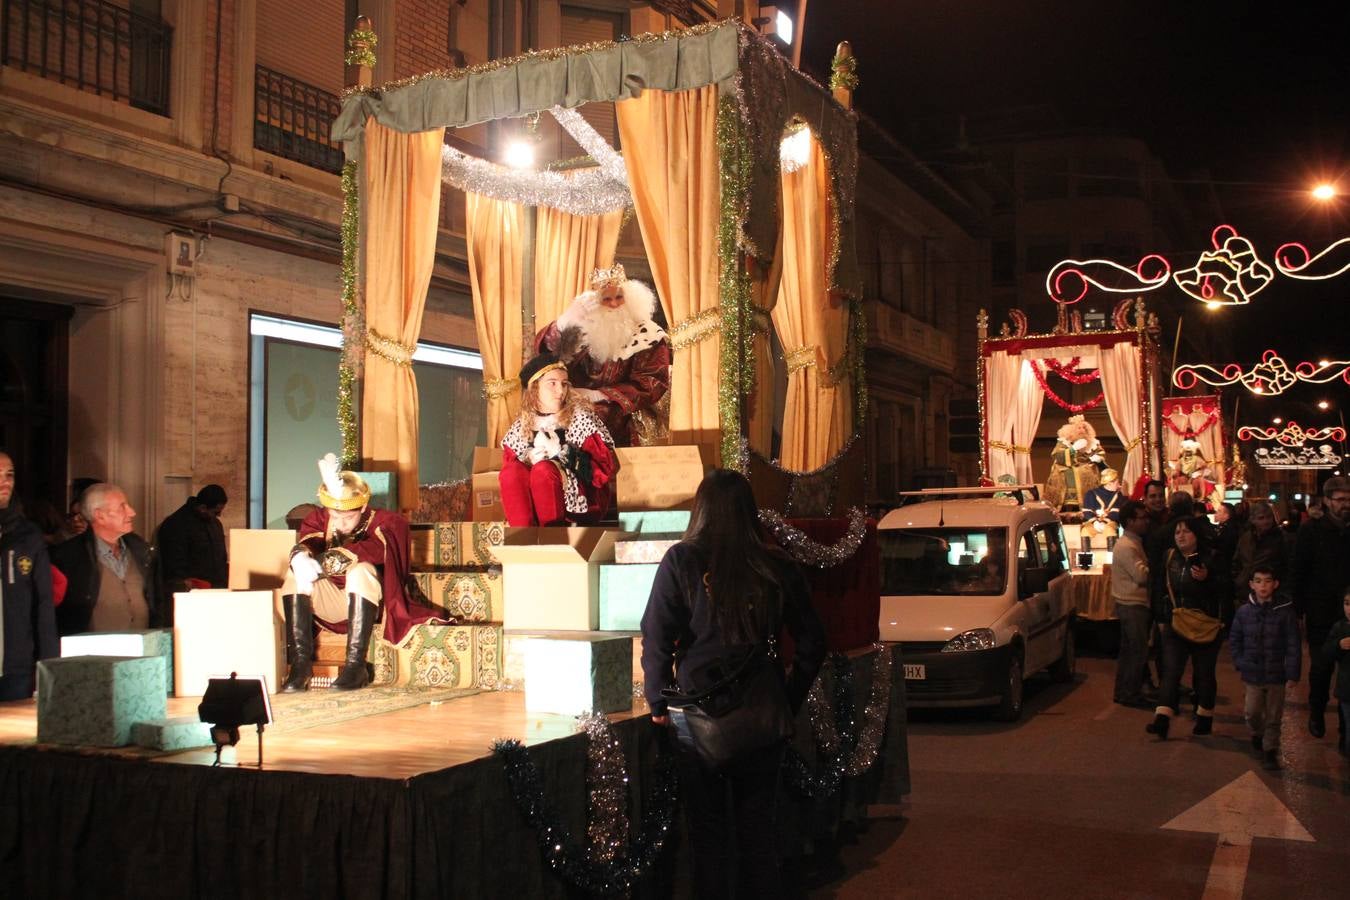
{"x": 93, "y": 45}
{"x": 292, "y": 119}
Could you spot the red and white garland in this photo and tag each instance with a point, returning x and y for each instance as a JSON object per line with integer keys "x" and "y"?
{"x": 1069, "y": 371}
{"x": 1058, "y": 400}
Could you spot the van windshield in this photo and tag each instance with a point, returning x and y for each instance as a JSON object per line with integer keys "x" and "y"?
{"x": 945, "y": 561}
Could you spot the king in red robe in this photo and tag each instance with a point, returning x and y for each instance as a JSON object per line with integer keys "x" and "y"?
{"x": 617, "y": 356}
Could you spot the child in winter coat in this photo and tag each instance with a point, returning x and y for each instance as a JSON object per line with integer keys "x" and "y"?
{"x": 1265, "y": 646}
{"x": 1337, "y": 651}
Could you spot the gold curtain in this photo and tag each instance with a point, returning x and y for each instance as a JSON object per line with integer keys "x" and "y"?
{"x": 493, "y": 234}
{"x": 811, "y": 322}
{"x": 402, "y": 209}
{"x": 670, "y": 150}
{"x": 567, "y": 249}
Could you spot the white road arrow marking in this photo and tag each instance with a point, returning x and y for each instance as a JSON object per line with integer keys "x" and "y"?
{"x": 1238, "y": 812}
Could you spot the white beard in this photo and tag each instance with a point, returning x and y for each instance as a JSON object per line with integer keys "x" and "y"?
{"x": 607, "y": 332}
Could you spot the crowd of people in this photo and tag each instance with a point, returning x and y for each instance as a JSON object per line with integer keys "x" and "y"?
{"x": 89, "y": 571}
{"x": 1181, "y": 586}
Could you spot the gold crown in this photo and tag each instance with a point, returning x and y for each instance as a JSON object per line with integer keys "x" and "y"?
{"x": 353, "y": 492}
{"x": 612, "y": 275}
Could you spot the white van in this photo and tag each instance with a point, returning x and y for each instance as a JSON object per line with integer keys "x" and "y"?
{"x": 973, "y": 627}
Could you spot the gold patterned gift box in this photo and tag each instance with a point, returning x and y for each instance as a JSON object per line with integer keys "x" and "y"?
{"x": 467, "y": 596}
{"x": 456, "y": 544}
{"x": 442, "y": 656}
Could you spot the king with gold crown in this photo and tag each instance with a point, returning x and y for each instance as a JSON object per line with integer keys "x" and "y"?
{"x": 350, "y": 562}
{"x": 617, "y": 356}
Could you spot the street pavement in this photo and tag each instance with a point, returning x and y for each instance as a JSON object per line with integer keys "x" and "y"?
{"x": 1073, "y": 800}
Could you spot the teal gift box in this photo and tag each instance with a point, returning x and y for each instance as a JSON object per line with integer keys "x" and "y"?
{"x": 575, "y": 673}
{"x": 181, "y": 733}
{"x": 154, "y": 642}
{"x": 94, "y": 701}
{"x": 655, "y": 521}
{"x": 624, "y": 590}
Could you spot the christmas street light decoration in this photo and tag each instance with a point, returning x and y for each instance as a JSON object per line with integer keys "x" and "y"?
{"x": 1269, "y": 378}
{"x": 1070, "y": 280}
{"x": 1294, "y": 260}
{"x": 1229, "y": 275}
{"x": 1292, "y": 435}
{"x": 1322, "y": 457}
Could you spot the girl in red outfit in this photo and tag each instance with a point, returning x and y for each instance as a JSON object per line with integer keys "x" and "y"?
{"x": 558, "y": 461}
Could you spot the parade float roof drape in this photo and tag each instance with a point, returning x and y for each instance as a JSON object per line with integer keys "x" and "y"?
{"x": 768, "y": 91}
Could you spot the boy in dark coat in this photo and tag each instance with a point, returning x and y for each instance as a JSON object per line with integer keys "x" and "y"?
{"x": 1266, "y": 650}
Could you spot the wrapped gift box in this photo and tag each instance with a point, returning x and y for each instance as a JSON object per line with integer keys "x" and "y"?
{"x": 551, "y": 577}
{"x": 155, "y": 642}
{"x": 219, "y": 632}
{"x": 623, "y": 595}
{"x": 635, "y": 551}
{"x": 443, "y": 656}
{"x": 655, "y": 521}
{"x": 455, "y": 544}
{"x": 259, "y": 558}
{"x": 182, "y": 733}
{"x": 658, "y": 477}
{"x": 94, "y": 700}
{"x": 572, "y": 674}
{"x": 468, "y": 596}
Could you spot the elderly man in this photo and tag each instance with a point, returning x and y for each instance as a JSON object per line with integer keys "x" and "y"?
{"x": 1321, "y": 576}
{"x": 617, "y": 357}
{"x": 29, "y": 623}
{"x": 107, "y": 566}
{"x": 349, "y": 559}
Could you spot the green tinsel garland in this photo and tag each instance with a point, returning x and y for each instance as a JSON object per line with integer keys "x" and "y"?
{"x": 844, "y": 73}
{"x": 364, "y": 56}
{"x": 736, "y": 377}
{"x": 346, "y": 411}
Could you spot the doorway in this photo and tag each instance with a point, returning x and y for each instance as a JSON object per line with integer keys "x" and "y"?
{"x": 34, "y": 384}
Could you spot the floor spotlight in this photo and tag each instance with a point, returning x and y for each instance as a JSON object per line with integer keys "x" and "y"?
{"x": 230, "y": 703}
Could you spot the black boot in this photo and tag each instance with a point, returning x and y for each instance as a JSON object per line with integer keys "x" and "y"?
{"x": 1159, "y": 726}
{"x": 1317, "y": 722}
{"x": 360, "y": 620}
{"x": 299, "y": 642}
{"x": 1203, "y": 725}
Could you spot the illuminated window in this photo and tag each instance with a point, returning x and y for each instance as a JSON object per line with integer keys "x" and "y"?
{"x": 293, "y": 377}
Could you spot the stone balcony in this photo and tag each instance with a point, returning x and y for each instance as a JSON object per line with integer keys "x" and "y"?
{"x": 896, "y": 332}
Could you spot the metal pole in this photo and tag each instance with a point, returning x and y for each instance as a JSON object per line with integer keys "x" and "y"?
{"x": 1176, "y": 345}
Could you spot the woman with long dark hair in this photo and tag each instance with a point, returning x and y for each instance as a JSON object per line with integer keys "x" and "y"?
{"x": 1190, "y": 607}
{"x": 726, "y": 588}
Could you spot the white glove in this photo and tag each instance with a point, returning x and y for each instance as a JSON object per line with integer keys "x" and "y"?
{"x": 590, "y": 394}
{"x": 546, "y": 446}
{"x": 306, "y": 570}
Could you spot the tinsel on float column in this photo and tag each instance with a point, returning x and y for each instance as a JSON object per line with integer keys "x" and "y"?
{"x": 352, "y": 345}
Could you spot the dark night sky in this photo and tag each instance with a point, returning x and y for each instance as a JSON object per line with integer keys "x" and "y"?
{"x": 1252, "y": 96}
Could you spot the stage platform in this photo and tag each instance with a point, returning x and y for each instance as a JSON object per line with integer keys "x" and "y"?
{"x": 400, "y": 804}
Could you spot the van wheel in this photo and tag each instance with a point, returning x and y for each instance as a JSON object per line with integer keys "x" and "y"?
{"x": 1064, "y": 668}
{"x": 1010, "y": 708}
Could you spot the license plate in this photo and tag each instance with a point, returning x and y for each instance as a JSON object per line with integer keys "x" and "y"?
{"x": 915, "y": 672}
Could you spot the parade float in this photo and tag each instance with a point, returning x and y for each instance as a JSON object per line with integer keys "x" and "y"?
{"x": 739, "y": 171}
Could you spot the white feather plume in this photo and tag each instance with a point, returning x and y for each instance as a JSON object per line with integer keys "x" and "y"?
{"x": 328, "y": 468}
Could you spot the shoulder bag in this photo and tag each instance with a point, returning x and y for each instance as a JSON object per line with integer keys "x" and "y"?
{"x": 744, "y": 711}
{"x": 1195, "y": 625}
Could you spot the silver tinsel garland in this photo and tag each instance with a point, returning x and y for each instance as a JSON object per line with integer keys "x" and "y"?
{"x": 581, "y": 192}
{"x": 809, "y": 552}
{"x": 875, "y": 715}
{"x": 607, "y": 780}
